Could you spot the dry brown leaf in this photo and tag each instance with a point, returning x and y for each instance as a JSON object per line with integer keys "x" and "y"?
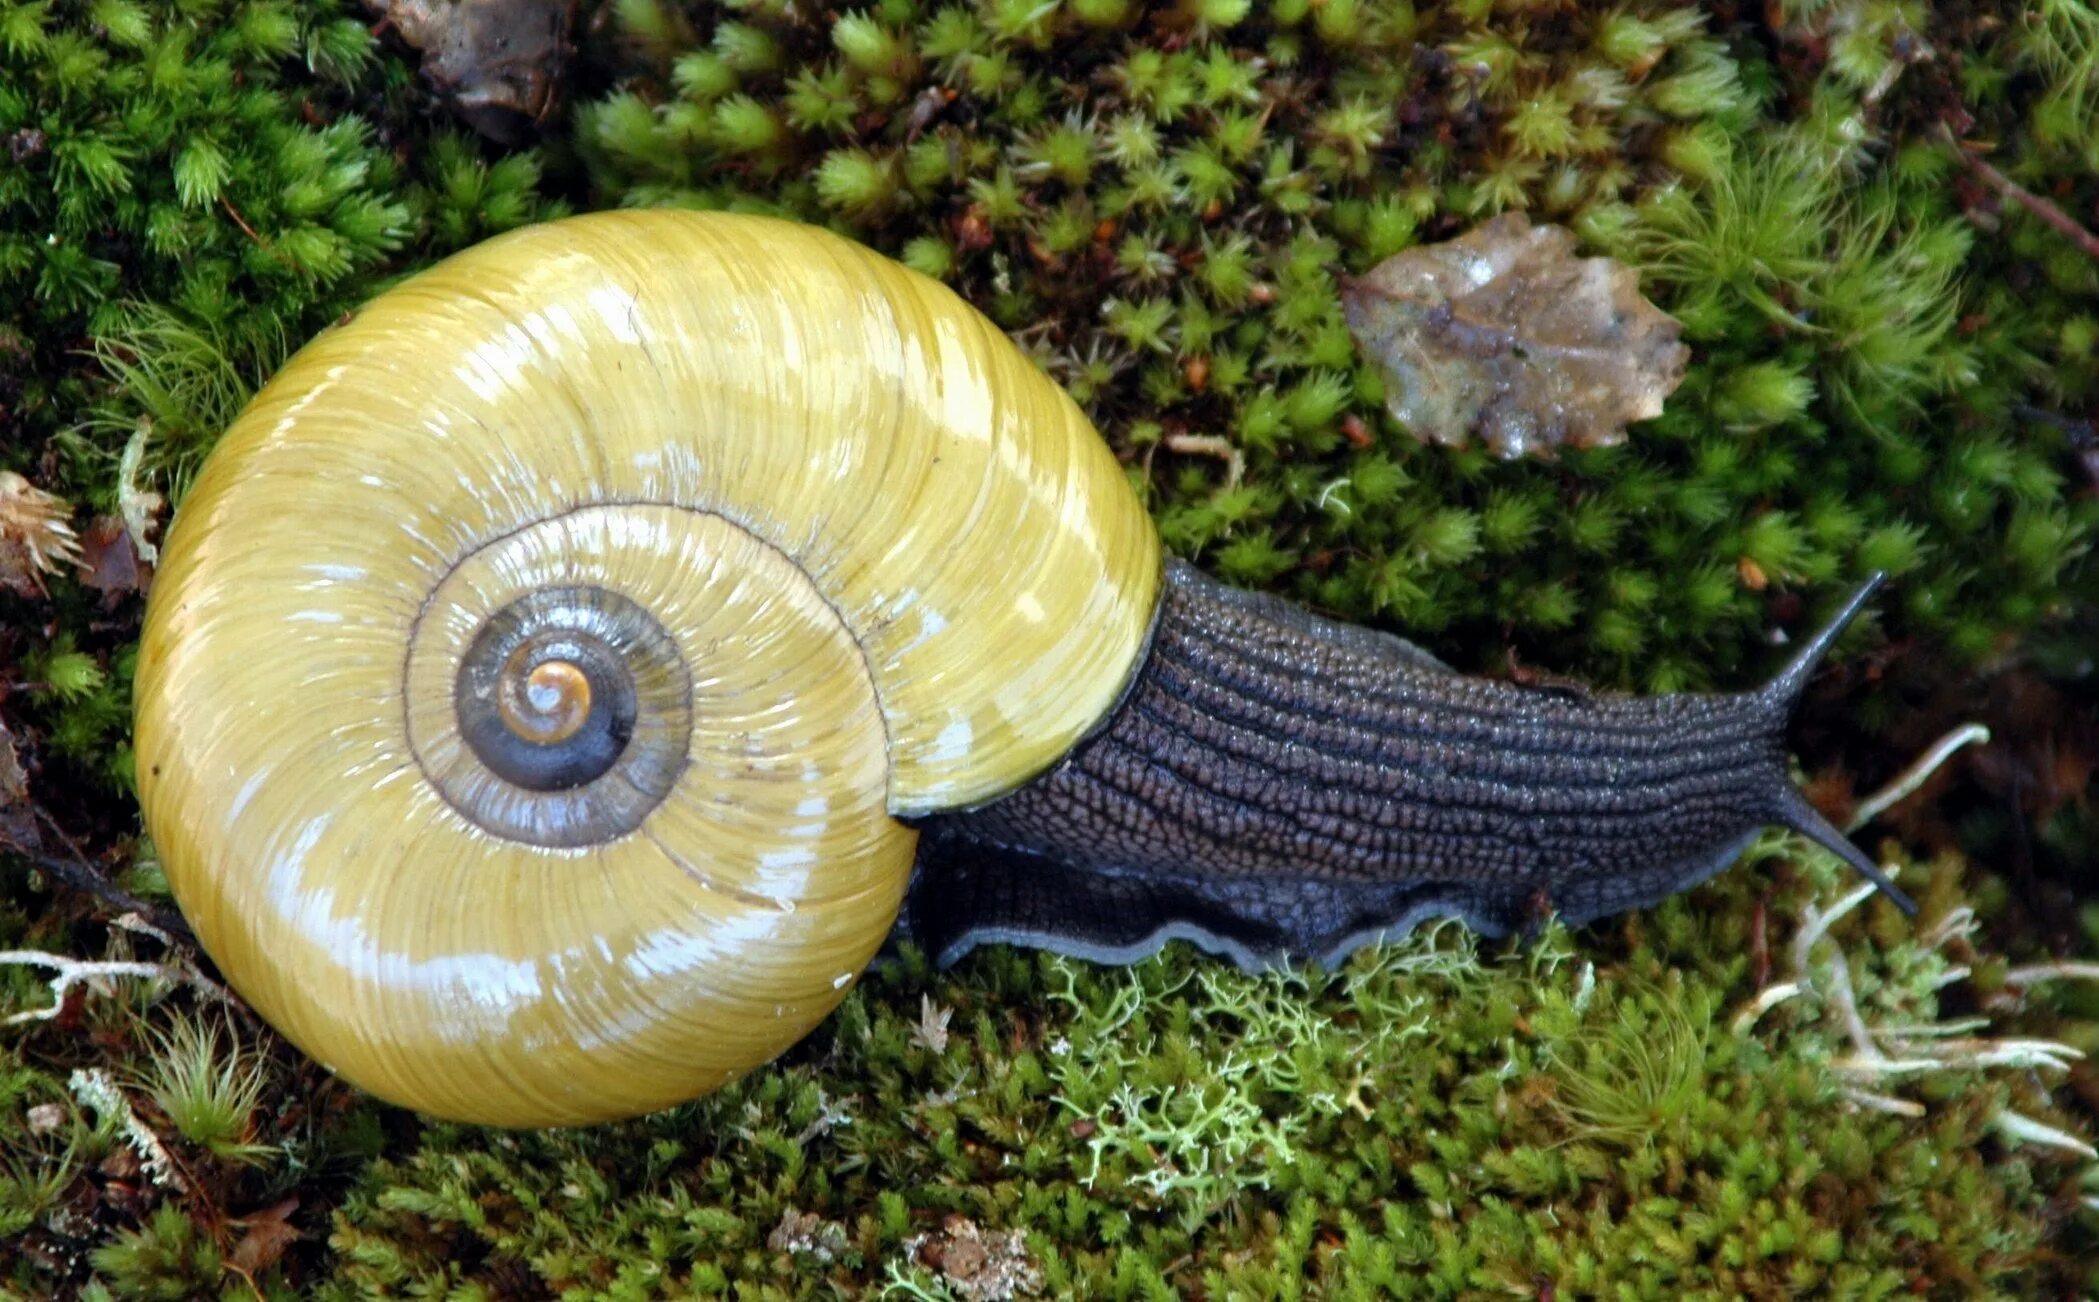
{"x": 266, "y": 1235}
{"x": 109, "y": 560}
{"x": 1504, "y": 334}
{"x": 499, "y": 63}
{"x": 35, "y": 538}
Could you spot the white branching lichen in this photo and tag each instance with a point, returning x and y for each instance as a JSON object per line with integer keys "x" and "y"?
{"x": 93, "y": 1088}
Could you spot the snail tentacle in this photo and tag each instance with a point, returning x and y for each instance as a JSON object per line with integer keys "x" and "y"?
{"x": 1279, "y": 786}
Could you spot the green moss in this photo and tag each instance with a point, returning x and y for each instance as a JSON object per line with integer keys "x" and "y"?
{"x": 1634, "y": 1075}
{"x": 192, "y": 190}
{"x": 1432, "y": 1120}
{"x": 1162, "y": 205}
{"x": 166, "y": 1259}
{"x": 208, "y": 1089}
{"x": 1821, "y": 280}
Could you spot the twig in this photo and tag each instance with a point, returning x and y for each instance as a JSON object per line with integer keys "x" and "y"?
{"x": 1917, "y": 774}
{"x": 2022, "y": 196}
{"x": 1951, "y": 976}
{"x": 138, "y": 926}
{"x": 2020, "y": 1127}
{"x": 261, "y": 241}
{"x": 82, "y": 876}
{"x": 241, "y": 221}
{"x": 1958, "y": 924}
{"x": 1815, "y": 924}
{"x": 1211, "y": 445}
{"x": 1768, "y": 998}
{"x": 1840, "y": 994}
{"x": 2066, "y": 970}
{"x": 1965, "y": 1053}
{"x": 1883, "y": 1103}
{"x": 1933, "y": 1030}
{"x": 73, "y": 971}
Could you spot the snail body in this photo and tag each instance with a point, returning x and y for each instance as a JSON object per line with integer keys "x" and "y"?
{"x": 564, "y": 673}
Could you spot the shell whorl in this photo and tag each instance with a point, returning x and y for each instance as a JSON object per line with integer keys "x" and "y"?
{"x": 540, "y": 663}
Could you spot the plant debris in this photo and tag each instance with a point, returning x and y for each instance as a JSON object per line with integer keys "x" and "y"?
{"x": 35, "y": 538}
{"x": 1504, "y": 334}
{"x": 931, "y": 1031}
{"x": 977, "y": 1266}
{"x": 110, "y": 562}
{"x": 265, "y": 1235}
{"x": 498, "y": 63}
{"x": 95, "y": 976}
{"x": 17, "y": 815}
{"x": 808, "y": 1234}
{"x": 139, "y": 507}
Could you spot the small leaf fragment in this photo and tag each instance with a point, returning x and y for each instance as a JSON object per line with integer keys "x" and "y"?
{"x": 17, "y": 816}
{"x": 500, "y": 63}
{"x": 268, "y": 1233}
{"x": 109, "y": 561}
{"x": 1504, "y": 334}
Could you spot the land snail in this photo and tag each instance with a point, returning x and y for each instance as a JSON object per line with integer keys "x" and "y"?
{"x": 567, "y": 672}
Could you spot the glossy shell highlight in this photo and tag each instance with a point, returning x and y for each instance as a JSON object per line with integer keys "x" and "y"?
{"x": 894, "y": 569}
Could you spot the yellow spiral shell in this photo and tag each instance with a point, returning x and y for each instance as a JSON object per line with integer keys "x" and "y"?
{"x": 795, "y": 534}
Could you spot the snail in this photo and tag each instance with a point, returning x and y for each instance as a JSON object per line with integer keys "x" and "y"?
{"x": 567, "y": 672}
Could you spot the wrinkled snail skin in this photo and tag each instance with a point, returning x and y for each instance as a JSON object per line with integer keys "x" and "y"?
{"x": 1277, "y": 786}
{"x": 562, "y": 675}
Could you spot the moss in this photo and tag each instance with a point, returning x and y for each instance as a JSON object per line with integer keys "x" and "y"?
{"x": 193, "y": 188}
{"x": 1823, "y": 294}
{"x": 208, "y": 1091}
{"x": 1892, "y": 364}
{"x": 1432, "y": 1120}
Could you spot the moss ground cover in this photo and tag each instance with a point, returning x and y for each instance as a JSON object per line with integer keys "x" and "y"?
{"x": 1892, "y": 368}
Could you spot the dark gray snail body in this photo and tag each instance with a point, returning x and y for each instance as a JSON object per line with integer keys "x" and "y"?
{"x": 1275, "y": 785}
